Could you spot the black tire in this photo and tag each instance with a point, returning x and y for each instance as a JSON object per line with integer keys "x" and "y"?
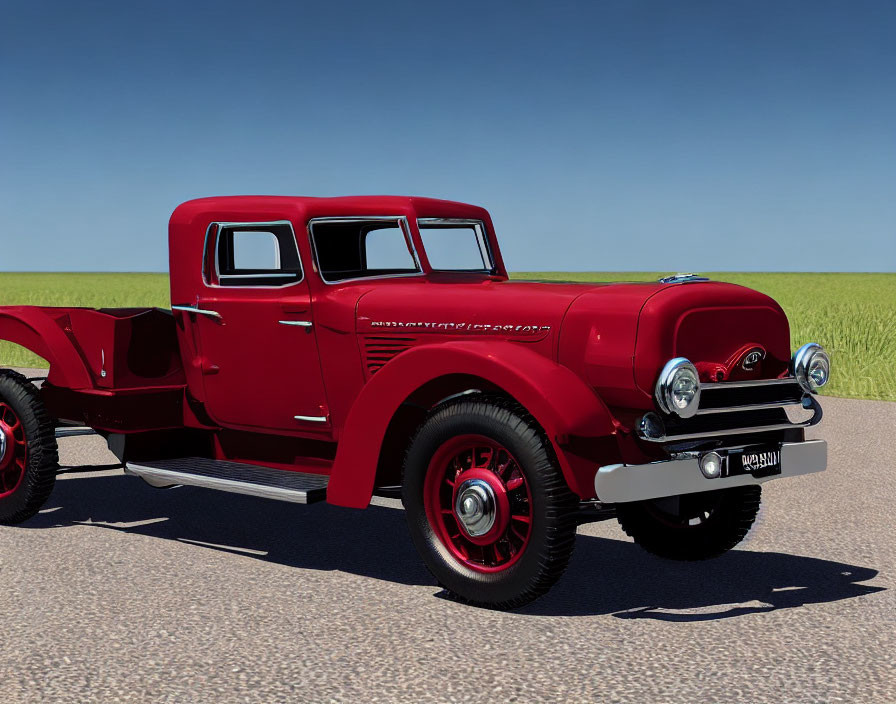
{"x": 34, "y": 436}
{"x": 541, "y": 560}
{"x": 699, "y": 527}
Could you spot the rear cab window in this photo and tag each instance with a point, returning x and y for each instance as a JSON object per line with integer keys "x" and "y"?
{"x": 252, "y": 254}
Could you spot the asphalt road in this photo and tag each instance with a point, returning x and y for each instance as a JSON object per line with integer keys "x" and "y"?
{"x": 121, "y": 592}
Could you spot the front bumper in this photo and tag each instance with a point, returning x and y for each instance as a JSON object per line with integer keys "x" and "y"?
{"x": 619, "y": 483}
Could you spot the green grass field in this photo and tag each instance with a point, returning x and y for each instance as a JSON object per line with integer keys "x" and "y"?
{"x": 852, "y": 315}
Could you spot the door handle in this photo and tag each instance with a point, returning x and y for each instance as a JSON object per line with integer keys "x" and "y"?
{"x": 198, "y": 311}
{"x": 297, "y": 323}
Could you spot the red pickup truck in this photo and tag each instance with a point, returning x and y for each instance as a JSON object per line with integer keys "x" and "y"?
{"x": 340, "y": 348}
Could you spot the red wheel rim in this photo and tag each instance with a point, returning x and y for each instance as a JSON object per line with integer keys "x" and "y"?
{"x": 469, "y": 464}
{"x": 13, "y": 450}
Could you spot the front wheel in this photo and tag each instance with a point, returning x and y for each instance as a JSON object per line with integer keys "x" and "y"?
{"x": 487, "y": 506}
{"x": 692, "y": 526}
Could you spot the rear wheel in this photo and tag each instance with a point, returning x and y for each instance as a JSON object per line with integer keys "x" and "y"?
{"x": 692, "y": 526}
{"x": 488, "y": 508}
{"x": 29, "y": 457}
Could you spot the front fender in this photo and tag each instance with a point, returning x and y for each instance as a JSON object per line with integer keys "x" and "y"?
{"x": 560, "y": 401}
{"x": 36, "y": 330}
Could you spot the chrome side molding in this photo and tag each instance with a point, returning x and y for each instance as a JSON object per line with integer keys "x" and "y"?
{"x": 198, "y": 311}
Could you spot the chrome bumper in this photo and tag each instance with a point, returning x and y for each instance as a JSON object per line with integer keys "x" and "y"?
{"x": 618, "y": 483}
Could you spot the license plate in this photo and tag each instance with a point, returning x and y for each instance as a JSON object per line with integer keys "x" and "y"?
{"x": 759, "y": 460}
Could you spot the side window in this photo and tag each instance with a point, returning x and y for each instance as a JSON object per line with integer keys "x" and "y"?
{"x": 359, "y": 248}
{"x": 256, "y": 255}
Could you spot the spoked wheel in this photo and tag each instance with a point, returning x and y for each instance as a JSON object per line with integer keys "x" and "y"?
{"x": 478, "y": 502}
{"x": 28, "y": 454}
{"x": 692, "y": 526}
{"x": 13, "y": 450}
{"x": 487, "y": 506}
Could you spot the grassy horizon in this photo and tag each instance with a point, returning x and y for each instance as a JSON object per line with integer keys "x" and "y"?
{"x": 852, "y": 314}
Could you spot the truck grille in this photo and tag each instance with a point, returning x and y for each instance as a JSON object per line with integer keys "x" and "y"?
{"x": 379, "y": 350}
{"x": 731, "y": 408}
{"x": 734, "y": 396}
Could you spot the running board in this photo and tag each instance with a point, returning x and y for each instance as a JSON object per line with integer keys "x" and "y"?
{"x": 71, "y": 431}
{"x": 235, "y": 477}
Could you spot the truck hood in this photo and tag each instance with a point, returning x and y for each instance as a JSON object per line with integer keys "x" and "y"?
{"x": 616, "y": 336}
{"x": 393, "y": 318}
{"x": 521, "y": 310}
{"x": 620, "y": 346}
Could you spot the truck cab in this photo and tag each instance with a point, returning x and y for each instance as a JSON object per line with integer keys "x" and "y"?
{"x": 337, "y": 348}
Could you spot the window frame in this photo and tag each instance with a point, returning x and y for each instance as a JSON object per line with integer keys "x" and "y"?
{"x": 485, "y": 247}
{"x": 403, "y": 225}
{"x": 218, "y": 227}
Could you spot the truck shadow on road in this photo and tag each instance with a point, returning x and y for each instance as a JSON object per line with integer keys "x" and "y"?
{"x": 605, "y": 576}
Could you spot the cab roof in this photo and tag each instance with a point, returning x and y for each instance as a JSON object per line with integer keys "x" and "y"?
{"x": 308, "y": 207}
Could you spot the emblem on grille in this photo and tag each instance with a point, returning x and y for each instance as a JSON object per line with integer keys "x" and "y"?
{"x": 752, "y": 358}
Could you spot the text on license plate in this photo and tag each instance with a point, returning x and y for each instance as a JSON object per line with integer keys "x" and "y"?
{"x": 757, "y": 460}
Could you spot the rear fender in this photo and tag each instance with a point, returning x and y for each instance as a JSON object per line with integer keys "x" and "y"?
{"x": 558, "y": 399}
{"x": 38, "y": 331}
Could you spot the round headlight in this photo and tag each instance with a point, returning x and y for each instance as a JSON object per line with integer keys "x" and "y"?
{"x": 811, "y": 366}
{"x": 678, "y": 388}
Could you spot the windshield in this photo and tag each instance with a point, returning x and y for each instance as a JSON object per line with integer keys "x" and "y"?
{"x": 456, "y": 245}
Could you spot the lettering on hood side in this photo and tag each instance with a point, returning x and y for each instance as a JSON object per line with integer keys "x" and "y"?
{"x": 462, "y": 327}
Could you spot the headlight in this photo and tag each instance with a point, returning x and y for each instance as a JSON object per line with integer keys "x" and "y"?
{"x": 678, "y": 388}
{"x": 811, "y": 366}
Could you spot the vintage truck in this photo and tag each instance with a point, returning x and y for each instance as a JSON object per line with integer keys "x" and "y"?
{"x": 340, "y": 348}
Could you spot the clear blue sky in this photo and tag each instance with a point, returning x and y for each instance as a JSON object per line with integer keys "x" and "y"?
{"x": 623, "y": 135}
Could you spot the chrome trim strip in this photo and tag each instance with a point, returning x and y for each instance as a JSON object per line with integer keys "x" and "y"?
{"x": 620, "y": 483}
{"x": 313, "y": 419}
{"x": 722, "y": 385}
{"x": 732, "y": 431}
{"x": 269, "y": 223}
{"x": 298, "y": 323}
{"x": 748, "y": 407}
{"x": 226, "y": 277}
{"x": 403, "y": 224}
{"x": 167, "y": 476}
{"x": 198, "y": 311}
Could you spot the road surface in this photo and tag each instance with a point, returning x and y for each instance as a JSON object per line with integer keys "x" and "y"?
{"x": 121, "y": 592}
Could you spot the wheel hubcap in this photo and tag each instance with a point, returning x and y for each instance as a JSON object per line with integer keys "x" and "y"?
{"x": 475, "y": 507}
{"x": 478, "y": 503}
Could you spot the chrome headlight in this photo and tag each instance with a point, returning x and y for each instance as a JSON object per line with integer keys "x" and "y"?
{"x": 678, "y": 388}
{"x": 811, "y": 367}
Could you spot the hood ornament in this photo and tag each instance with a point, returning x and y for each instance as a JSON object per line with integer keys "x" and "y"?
{"x": 682, "y": 279}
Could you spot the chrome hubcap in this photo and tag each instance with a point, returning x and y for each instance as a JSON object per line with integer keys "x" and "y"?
{"x": 3, "y": 445}
{"x": 475, "y": 507}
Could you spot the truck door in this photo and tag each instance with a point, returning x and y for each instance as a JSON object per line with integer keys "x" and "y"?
{"x": 260, "y": 364}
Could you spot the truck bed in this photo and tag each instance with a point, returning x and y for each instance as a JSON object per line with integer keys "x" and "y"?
{"x": 124, "y": 348}
{"x": 117, "y": 369}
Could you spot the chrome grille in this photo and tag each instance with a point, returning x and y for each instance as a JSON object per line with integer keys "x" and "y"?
{"x": 733, "y": 396}
{"x": 734, "y": 408}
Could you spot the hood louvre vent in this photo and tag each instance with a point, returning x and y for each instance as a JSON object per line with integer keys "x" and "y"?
{"x": 379, "y": 350}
